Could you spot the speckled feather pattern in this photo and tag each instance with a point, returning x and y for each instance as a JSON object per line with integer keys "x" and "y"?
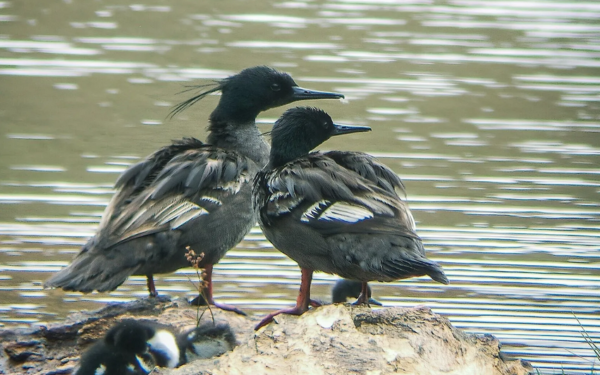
{"x": 326, "y": 216}
{"x": 189, "y": 193}
{"x": 156, "y": 202}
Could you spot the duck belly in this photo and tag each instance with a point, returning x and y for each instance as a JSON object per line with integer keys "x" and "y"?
{"x": 363, "y": 257}
{"x": 304, "y": 246}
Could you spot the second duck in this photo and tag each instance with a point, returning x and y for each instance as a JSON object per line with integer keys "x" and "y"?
{"x": 335, "y": 212}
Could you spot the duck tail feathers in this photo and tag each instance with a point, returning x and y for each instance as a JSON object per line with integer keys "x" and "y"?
{"x": 402, "y": 268}
{"x": 436, "y": 272}
{"x": 88, "y": 273}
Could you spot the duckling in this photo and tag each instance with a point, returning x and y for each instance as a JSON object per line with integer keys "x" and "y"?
{"x": 345, "y": 288}
{"x": 328, "y": 217}
{"x": 126, "y": 349}
{"x": 171, "y": 349}
{"x": 189, "y": 194}
{"x": 207, "y": 341}
{"x": 135, "y": 347}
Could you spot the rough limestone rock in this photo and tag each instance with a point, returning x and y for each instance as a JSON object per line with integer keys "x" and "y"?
{"x": 339, "y": 339}
{"x": 334, "y": 339}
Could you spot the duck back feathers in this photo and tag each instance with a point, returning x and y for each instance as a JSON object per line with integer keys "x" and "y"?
{"x": 337, "y": 212}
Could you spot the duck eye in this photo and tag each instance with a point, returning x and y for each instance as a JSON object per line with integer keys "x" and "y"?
{"x": 275, "y": 87}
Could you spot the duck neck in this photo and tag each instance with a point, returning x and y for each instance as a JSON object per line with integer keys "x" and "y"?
{"x": 276, "y": 160}
{"x": 284, "y": 152}
{"x": 241, "y": 136}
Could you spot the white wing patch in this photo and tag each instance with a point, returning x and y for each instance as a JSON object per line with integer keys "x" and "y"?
{"x": 314, "y": 211}
{"x": 177, "y": 209}
{"x": 100, "y": 370}
{"x": 349, "y": 213}
{"x": 164, "y": 342}
{"x": 188, "y": 216}
{"x": 179, "y": 213}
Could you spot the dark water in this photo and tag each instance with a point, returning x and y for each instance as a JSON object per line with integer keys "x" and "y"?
{"x": 489, "y": 111}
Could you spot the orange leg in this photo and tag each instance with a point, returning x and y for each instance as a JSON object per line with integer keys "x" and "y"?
{"x": 209, "y": 294}
{"x": 363, "y": 298}
{"x": 151, "y": 286}
{"x": 302, "y": 301}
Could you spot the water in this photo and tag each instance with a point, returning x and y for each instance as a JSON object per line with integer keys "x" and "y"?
{"x": 489, "y": 110}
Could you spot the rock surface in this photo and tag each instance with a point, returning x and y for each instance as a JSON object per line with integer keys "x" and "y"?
{"x": 334, "y": 339}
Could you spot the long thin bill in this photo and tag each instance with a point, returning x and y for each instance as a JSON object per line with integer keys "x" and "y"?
{"x": 346, "y": 129}
{"x": 305, "y": 94}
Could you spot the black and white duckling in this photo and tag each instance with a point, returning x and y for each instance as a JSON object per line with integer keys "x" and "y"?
{"x": 190, "y": 193}
{"x": 128, "y": 348}
{"x": 344, "y": 289}
{"x": 134, "y": 347}
{"x": 206, "y": 341}
{"x": 329, "y": 217}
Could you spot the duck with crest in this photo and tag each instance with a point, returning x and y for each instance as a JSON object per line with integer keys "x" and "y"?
{"x": 189, "y": 193}
{"x": 336, "y": 212}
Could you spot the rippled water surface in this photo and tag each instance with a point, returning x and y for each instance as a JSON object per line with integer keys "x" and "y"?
{"x": 489, "y": 111}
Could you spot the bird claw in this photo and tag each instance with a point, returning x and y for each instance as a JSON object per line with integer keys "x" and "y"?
{"x": 362, "y": 300}
{"x": 225, "y": 307}
{"x": 297, "y": 310}
{"x": 200, "y": 301}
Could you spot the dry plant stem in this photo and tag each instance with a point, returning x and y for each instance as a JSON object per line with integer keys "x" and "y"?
{"x": 206, "y": 285}
{"x": 202, "y": 284}
{"x": 588, "y": 339}
{"x": 202, "y": 291}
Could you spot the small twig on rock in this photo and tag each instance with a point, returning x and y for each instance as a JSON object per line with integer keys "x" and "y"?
{"x": 195, "y": 260}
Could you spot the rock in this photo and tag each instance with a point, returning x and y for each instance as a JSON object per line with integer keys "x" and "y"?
{"x": 334, "y": 339}
{"x": 21, "y": 351}
{"x": 339, "y": 339}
